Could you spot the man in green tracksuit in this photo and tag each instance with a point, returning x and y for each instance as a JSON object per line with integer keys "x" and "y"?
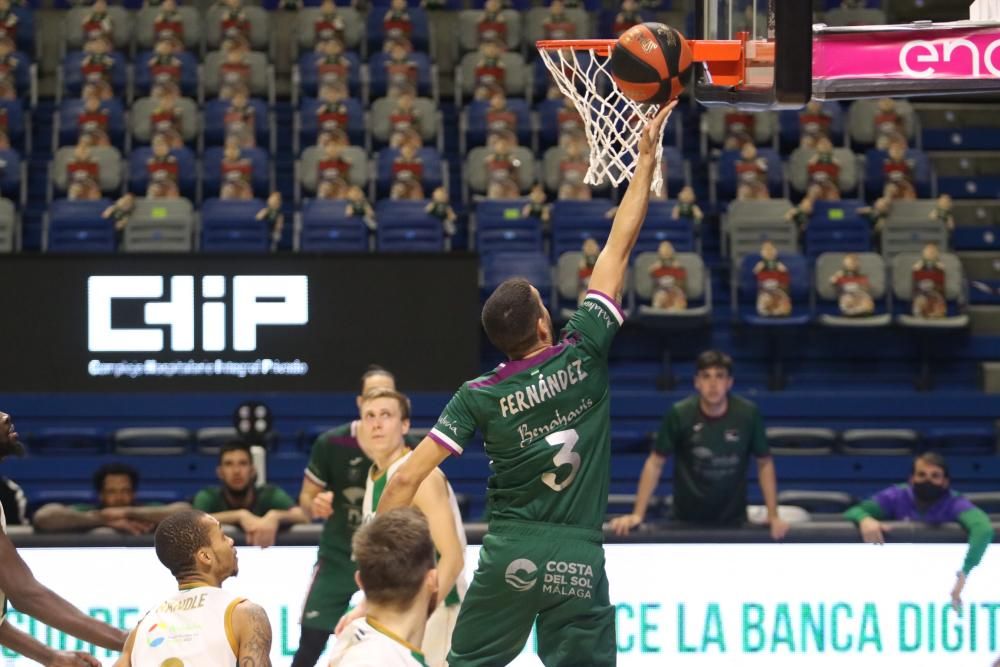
{"x": 333, "y": 489}
{"x": 926, "y": 497}
{"x": 711, "y": 435}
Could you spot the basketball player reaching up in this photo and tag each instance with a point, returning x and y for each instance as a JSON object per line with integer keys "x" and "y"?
{"x": 395, "y": 556}
{"x": 32, "y": 598}
{"x": 545, "y": 419}
{"x": 385, "y": 420}
{"x": 201, "y": 625}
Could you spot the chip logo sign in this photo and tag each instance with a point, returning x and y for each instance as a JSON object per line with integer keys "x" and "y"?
{"x": 521, "y": 575}
{"x": 254, "y": 301}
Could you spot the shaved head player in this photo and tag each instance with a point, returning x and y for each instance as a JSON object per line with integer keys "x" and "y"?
{"x": 18, "y": 585}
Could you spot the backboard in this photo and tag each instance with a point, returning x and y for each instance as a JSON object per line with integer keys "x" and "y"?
{"x": 776, "y": 69}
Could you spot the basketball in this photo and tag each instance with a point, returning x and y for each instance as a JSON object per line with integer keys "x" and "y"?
{"x": 651, "y": 63}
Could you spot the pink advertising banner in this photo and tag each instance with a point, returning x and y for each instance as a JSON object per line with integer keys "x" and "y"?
{"x": 950, "y": 51}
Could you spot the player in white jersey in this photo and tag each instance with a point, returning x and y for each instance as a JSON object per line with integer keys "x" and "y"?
{"x": 396, "y": 557}
{"x": 18, "y": 585}
{"x": 201, "y": 625}
{"x": 385, "y": 420}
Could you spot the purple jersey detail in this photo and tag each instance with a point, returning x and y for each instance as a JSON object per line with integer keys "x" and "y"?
{"x": 441, "y": 441}
{"x": 613, "y": 302}
{"x": 509, "y": 368}
{"x": 899, "y": 504}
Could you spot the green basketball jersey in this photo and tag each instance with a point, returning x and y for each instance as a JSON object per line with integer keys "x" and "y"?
{"x": 338, "y": 464}
{"x": 546, "y": 424}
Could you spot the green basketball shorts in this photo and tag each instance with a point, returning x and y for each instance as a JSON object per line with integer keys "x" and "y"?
{"x": 330, "y": 593}
{"x": 530, "y": 571}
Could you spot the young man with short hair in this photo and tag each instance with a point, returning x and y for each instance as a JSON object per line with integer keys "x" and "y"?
{"x": 396, "y": 570}
{"x": 545, "y": 418}
{"x": 712, "y": 435}
{"x": 260, "y": 511}
{"x": 927, "y": 496}
{"x": 201, "y": 624}
{"x": 116, "y": 485}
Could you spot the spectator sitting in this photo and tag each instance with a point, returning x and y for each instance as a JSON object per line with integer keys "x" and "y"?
{"x": 397, "y": 24}
{"x": 119, "y": 213}
{"x": 824, "y": 171}
{"x": 273, "y": 217}
{"x": 164, "y": 65}
{"x": 329, "y": 25}
{"x": 502, "y": 171}
{"x": 93, "y": 121}
{"x": 259, "y": 510}
{"x": 898, "y": 170}
{"x": 492, "y": 27}
{"x": 8, "y": 65}
{"x": 331, "y": 114}
{"x": 237, "y": 171}
{"x": 96, "y": 66}
{"x": 926, "y": 497}
{"x": 400, "y": 69}
{"x": 490, "y": 72}
{"x": 358, "y": 207}
{"x": 14, "y": 503}
{"x": 404, "y": 120}
{"x": 332, "y": 66}
{"x": 166, "y": 120}
{"x": 234, "y": 72}
{"x": 333, "y": 170}
{"x": 440, "y": 208}
{"x": 751, "y": 175}
{"x": 163, "y": 171}
{"x": 407, "y": 174}
{"x": 712, "y": 435}
{"x": 814, "y": 124}
{"x": 84, "y": 172}
{"x": 168, "y": 26}
{"x": 233, "y": 22}
{"x": 240, "y": 120}
{"x": 889, "y": 126}
{"x": 572, "y": 170}
{"x": 8, "y": 24}
{"x": 97, "y": 23}
{"x": 4, "y": 136}
{"x": 687, "y": 207}
{"x": 628, "y": 16}
{"x": 115, "y": 484}
{"x": 557, "y": 24}
{"x": 536, "y": 206}
{"x": 500, "y": 120}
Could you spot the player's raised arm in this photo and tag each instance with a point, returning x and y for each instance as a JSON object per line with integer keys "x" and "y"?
{"x": 609, "y": 271}
{"x": 403, "y": 485}
{"x": 253, "y": 635}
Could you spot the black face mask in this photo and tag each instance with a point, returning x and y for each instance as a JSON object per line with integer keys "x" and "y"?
{"x": 928, "y": 492}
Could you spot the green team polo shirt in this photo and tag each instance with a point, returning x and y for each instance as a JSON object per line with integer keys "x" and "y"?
{"x": 268, "y": 497}
{"x": 710, "y": 458}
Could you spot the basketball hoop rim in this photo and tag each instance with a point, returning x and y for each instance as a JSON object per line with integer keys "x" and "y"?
{"x": 601, "y": 47}
{"x": 702, "y": 50}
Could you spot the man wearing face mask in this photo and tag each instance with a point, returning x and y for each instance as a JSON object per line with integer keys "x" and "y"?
{"x": 928, "y": 498}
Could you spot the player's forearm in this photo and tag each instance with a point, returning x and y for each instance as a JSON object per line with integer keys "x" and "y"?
{"x": 768, "y": 481}
{"x": 648, "y": 479}
{"x": 866, "y": 509}
{"x": 158, "y": 513}
{"x": 43, "y": 604}
{"x": 449, "y": 568}
{"x": 60, "y": 518}
{"x": 399, "y": 492}
{"x": 632, "y": 210}
{"x": 289, "y": 516}
{"x": 980, "y": 529}
{"x": 25, "y": 644}
{"x": 231, "y": 517}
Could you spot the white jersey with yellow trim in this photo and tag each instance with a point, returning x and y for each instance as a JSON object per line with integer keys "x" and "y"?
{"x": 365, "y": 643}
{"x": 193, "y": 628}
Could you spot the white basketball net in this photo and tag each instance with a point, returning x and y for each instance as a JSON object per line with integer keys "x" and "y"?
{"x": 612, "y": 122}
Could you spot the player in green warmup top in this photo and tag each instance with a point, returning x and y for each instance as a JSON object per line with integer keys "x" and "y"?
{"x": 333, "y": 489}
{"x": 545, "y": 419}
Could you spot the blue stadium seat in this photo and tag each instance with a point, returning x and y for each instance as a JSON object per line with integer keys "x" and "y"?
{"x": 500, "y": 228}
{"x": 232, "y": 226}
{"x": 875, "y": 177}
{"x": 834, "y": 226}
{"x": 152, "y": 440}
{"x": 212, "y": 170}
{"x": 309, "y": 74}
{"x": 69, "y": 114}
{"x": 419, "y": 37}
{"x": 77, "y": 226}
{"x": 726, "y": 187}
{"x": 476, "y": 127}
{"x": 404, "y": 226}
{"x": 158, "y": 496}
{"x": 790, "y": 129}
{"x": 143, "y": 80}
{"x": 22, "y": 75}
{"x": 379, "y": 79}
{"x": 73, "y": 78}
{"x": 327, "y": 228}
{"x": 25, "y": 37}
{"x": 431, "y": 179}
{"x": 799, "y": 287}
{"x": 62, "y": 496}
{"x": 10, "y": 174}
{"x": 534, "y": 266}
{"x": 68, "y": 441}
{"x": 309, "y": 126}
{"x": 575, "y": 221}
{"x": 15, "y": 124}
{"x": 979, "y": 237}
{"x": 978, "y": 440}
{"x": 187, "y": 171}
{"x": 660, "y": 226}
{"x": 214, "y": 122}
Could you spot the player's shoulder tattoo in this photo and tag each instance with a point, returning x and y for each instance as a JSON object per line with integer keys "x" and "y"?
{"x": 255, "y": 650}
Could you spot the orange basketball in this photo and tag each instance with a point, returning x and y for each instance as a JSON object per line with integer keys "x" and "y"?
{"x": 651, "y": 63}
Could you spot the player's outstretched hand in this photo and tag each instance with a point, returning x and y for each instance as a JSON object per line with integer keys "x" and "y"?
{"x": 351, "y": 616}
{"x": 956, "y": 592}
{"x": 779, "y": 528}
{"x": 322, "y": 505}
{"x": 74, "y": 659}
{"x": 872, "y": 530}
{"x": 262, "y": 531}
{"x": 649, "y": 142}
{"x": 622, "y": 525}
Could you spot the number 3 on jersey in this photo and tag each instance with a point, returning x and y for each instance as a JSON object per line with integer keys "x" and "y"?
{"x": 566, "y": 441}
